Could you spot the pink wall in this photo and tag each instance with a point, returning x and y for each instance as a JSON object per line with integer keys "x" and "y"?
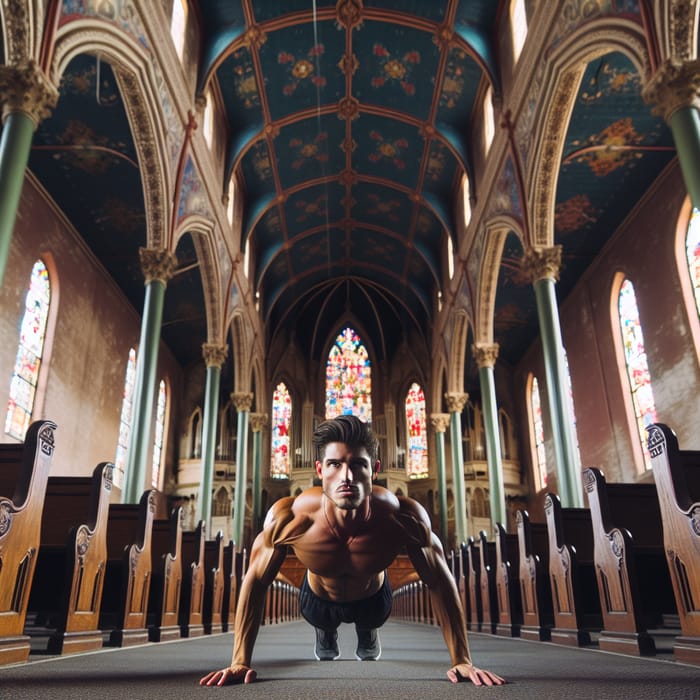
{"x": 94, "y": 328}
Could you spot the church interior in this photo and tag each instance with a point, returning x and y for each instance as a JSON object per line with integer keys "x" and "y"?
{"x": 472, "y": 223}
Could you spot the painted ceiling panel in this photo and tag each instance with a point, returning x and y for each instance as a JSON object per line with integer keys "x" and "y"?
{"x": 256, "y": 168}
{"x": 314, "y": 207}
{"x": 372, "y": 248}
{"x": 433, "y": 11}
{"x": 300, "y": 64}
{"x": 614, "y": 148}
{"x": 385, "y": 207}
{"x": 269, "y": 9}
{"x": 515, "y": 320}
{"x": 398, "y": 66}
{"x": 310, "y": 149}
{"x": 388, "y": 149}
{"x": 240, "y": 91}
{"x": 85, "y": 157}
{"x": 458, "y": 89}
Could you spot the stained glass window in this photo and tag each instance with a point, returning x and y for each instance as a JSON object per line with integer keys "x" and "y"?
{"x": 636, "y": 362}
{"x": 125, "y": 419}
{"x": 348, "y": 377}
{"x": 281, "y": 422}
{"x": 417, "y": 462}
{"x": 158, "y": 435}
{"x": 692, "y": 251}
{"x": 31, "y": 347}
{"x": 538, "y": 432}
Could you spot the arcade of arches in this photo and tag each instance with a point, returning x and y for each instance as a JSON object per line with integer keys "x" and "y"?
{"x": 470, "y": 223}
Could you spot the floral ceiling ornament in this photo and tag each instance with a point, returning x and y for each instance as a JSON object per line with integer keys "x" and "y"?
{"x": 301, "y": 69}
{"x": 309, "y": 150}
{"x": 395, "y": 70}
{"x": 391, "y": 150}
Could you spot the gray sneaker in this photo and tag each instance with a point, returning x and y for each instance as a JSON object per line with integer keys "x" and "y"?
{"x": 326, "y": 647}
{"x": 368, "y": 646}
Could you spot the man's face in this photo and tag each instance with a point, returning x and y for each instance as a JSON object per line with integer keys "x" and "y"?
{"x": 346, "y": 474}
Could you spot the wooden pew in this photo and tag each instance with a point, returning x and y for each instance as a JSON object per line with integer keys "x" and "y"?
{"x": 166, "y": 577}
{"x": 25, "y": 469}
{"x": 535, "y": 589}
{"x": 473, "y": 585}
{"x": 192, "y": 596}
{"x": 635, "y": 587}
{"x": 127, "y": 584}
{"x": 487, "y": 584}
{"x": 461, "y": 570}
{"x": 572, "y": 575}
{"x": 509, "y": 605}
{"x": 677, "y": 476}
{"x": 70, "y": 572}
{"x": 213, "y": 584}
{"x": 234, "y": 571}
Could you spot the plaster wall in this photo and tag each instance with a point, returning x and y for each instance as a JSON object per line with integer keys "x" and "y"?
{"x": 87, "y": 349}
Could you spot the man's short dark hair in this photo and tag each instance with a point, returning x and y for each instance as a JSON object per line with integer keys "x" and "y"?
{"x": 347, "y": 429}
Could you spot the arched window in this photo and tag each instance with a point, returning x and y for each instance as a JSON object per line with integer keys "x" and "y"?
{"x": 195, "y": 446}
{"x": 281, "y": 423}
{"x": 537, "y": 432}
{"x": 466, "y": 201}
{"x": 348, "y": 377}
{"x": 208, "y": 127}
{"x": 125, "y": 419}
{"x": 158, "y": 434}
{"x": 178, "y": 26}
{"x": 518, "y": 27}
{"x": 692, "y": 254}
{"x": 572, "y": 411}
{"x": 636, "y": 363}
{"x": 32, "y": 334}
{"x": 417, "y": 461}
{"x": 489, "y": 121}
{"x": 221, "y": 507}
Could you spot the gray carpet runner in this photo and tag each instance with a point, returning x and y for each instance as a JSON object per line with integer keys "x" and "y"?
{"x": 412, "y": 667}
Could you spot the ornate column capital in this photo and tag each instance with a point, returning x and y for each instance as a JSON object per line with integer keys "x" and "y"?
{"x": 258, "y": 421}
{"x": 541, "y": 263}
{"x": 242, "y": 400}
{"x": 157, "y": 264}
{"x": 25, "y": 88}
{"x": 674, "y": 85}
{"x": 214, "y": 355}
{"x": 485, "y": 355}
{"x": 439, "y": 421}
{"x": 455, "y": 401}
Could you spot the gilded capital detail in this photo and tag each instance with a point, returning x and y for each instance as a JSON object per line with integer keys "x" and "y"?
{"x": 541, "y": 263}
{"x": 26, "y": 89}
{"x": 157, "y": 264}
{"x": 258, "y": 422}
{"x": 674, "y": 86}
{"x": 439, "y": 421}
{"x": 214, "y": 355}
{"x": 456, "y": 401}
{"x": 485, "y": 355}
{"x": 242, "y": 400}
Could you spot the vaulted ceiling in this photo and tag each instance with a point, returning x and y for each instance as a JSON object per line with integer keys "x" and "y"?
{"x": 349, "y": 129}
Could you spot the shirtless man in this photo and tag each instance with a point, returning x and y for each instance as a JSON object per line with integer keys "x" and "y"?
{"x": 346, "y": 533}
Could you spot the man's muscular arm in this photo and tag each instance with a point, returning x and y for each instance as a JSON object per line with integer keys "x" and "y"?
{"x": 426, "y": 553}
{"x": 266, "y": 557}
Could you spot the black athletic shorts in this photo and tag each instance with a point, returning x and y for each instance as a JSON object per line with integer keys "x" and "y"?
{"x": 368, "y": 613}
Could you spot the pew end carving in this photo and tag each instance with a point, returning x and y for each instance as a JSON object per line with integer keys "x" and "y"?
{"x": 677, "y": 477}
{"x": 25, "y": 471}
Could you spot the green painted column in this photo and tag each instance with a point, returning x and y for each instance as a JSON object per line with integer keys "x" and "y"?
{"x": 486, "y": 359}
{"x": 27, "y": 98}
{"x": 242, "y": 402}
{"x": 542, "y": 266}
{"x": 214, "y": 358}
{"x": 674, "y": 89}
{"x": 158, "y": 266}
{"x": 258, "y": 422}
{"x": 455, "y": 405}
{"x": 440, "y": 421}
